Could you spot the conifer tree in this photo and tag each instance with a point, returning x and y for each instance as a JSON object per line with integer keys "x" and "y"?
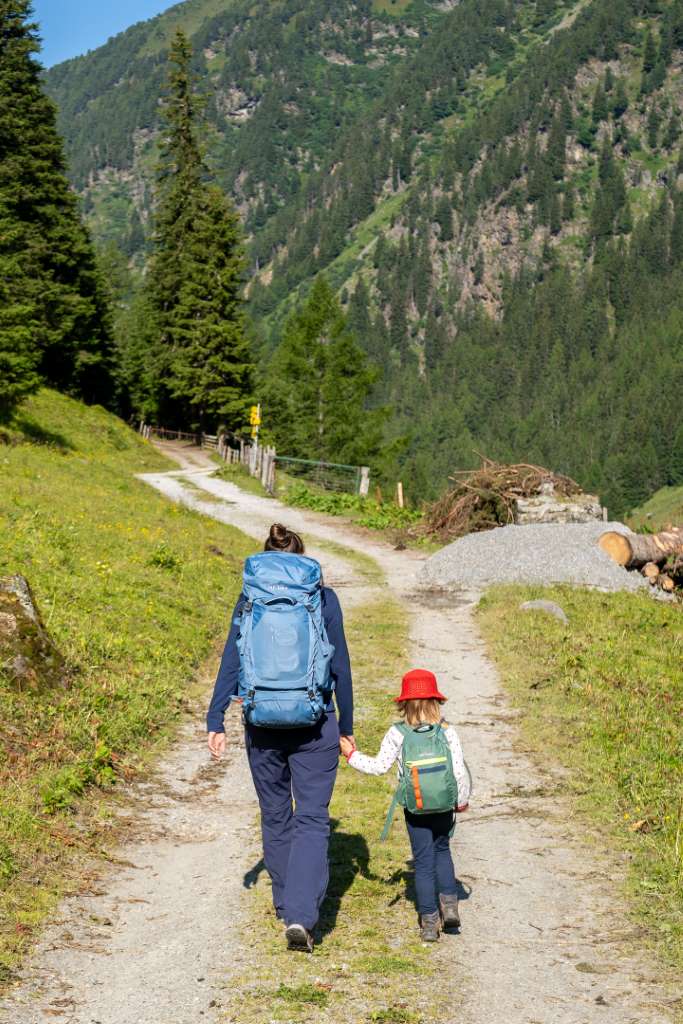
{"x": 620, "y": 101}
{"x": 318, "y": 384}
{"x": 54, "y": 322}
{"x": 200, "y": 356}
{"x": 600, "y": 109}
{"x": 568, "y": 203}
{"x": 653, "y": 124}
{"x": 443, "y": 216}
{"x": 649, "y": 53}
{"x": 557, "y": 145}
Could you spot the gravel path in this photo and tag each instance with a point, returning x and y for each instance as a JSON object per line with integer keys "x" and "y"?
{"x": 543, "y": 553}
{"x": 545, "y": 938}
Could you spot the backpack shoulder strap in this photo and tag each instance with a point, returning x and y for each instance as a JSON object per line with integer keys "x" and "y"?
{"x": 390, "y": 815}
{"x": 398, "y": 794}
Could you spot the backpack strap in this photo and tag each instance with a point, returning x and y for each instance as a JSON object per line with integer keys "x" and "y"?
{"x": 396, "y": 800}
{"x": 390, "y": 815}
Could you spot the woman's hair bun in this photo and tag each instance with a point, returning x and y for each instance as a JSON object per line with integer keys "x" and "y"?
{"x": 282, "y": 539}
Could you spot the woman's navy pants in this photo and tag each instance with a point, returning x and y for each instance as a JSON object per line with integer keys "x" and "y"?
{"x": 294, "y": 772}
{"x": 434, "y": 872}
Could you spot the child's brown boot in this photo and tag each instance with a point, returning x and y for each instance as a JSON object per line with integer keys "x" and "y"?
{"x": 429, "y": 927}
{"x": 450, "y": 914}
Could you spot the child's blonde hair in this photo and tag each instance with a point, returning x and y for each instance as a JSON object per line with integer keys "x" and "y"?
{"x": 422, "y": 711}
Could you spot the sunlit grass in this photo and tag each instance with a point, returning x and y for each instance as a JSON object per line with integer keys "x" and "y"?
{"x": 604, "y": 695}
{"x": 135, "y": 592}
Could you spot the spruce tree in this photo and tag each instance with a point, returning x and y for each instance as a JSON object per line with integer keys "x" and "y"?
{"x": 200, "y": 352}
{"x": 557, "y": 145}
{"x": 600, "y": 108}
{"x": 620, "y": 101}
{"x": 19, "y": 357}
{"x": 54, "y": 323}
{"x": 317, "y": 386}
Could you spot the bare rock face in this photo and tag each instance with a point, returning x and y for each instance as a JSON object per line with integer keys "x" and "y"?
{"x": 28, "y": 658}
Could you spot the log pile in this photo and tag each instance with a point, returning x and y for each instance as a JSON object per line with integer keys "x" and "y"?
{"x": 492, "y": 496}
{"x": 658, "y": 556}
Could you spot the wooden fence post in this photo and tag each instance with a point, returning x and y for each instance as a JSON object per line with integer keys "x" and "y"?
{"x": 270, "y": 486}
{"x": 399, "y": 495}
{"x": 364, "y": 488}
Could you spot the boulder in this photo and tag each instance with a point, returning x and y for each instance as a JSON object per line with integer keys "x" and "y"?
{"x": 29, "y": 659}
{"x": 546, "y": 606}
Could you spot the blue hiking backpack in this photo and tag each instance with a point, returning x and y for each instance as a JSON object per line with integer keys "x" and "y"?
{"x": 285, "y": 655}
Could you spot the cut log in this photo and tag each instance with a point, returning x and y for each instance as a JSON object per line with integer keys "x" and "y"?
{"x": 650, "y": 571}
{"x": 666, "y": 583}
{"x": 634, "y": 550}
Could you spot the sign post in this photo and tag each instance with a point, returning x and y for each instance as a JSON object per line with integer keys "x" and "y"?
{"x": 255, "y": 420}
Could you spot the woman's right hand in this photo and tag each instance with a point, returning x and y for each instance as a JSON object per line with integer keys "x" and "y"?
{"x": 216, "y": 745}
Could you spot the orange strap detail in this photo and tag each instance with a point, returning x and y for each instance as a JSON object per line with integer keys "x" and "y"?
{"x": 416, "y": 786}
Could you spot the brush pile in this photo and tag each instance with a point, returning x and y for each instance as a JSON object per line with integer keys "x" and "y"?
{"x": 484, "y": 498}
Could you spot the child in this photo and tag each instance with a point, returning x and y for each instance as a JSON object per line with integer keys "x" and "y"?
{"x": 420, "y": 705}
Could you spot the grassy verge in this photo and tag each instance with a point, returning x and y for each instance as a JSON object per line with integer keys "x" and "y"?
{"x": 241, "y": 477}
{"x": 132, "y": 589}
{"x": 663, "y": 509}
{"x": 366, "y": 567}
{"x": 369, "y": 966}
{"x": 604, "y": 695}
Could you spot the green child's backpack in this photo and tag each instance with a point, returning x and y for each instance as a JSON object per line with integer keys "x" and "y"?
{"x": 427, "y": 783}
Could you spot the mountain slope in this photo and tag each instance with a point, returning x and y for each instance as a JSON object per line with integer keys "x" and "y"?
{"x": 281, "y": 79}
{"x": 494, "y": 189}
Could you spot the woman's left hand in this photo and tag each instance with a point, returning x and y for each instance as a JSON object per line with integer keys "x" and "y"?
{"x": 347, "y": 744}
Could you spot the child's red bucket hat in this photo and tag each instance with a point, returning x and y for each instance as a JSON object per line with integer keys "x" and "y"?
{"x": 419, "y": 684}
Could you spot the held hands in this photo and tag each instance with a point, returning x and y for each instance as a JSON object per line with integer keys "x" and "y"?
{"x": 462, "y": 807}
{"x": 348, "y": 745}
{"x": 216, "y": 745}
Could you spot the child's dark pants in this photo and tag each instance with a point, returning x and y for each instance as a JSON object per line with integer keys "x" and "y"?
{"x": 300, "y": 764}
{"x": 434, "y": 872}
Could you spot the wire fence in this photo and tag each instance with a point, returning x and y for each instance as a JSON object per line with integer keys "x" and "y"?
{"x": 330, "y": 476}
{"x": 263, "y": 461}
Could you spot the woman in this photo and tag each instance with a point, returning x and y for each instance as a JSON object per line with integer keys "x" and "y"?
{"x": 294, "y": 770}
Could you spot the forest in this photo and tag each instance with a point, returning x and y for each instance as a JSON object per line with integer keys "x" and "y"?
{"x": 466, "y": 221}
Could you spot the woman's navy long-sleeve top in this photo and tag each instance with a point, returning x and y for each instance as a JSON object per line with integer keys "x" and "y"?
{"x": 340, "y": 667}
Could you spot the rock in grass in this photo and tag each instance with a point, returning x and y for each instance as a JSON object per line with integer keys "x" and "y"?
{"x": 546, "y": 606}
{"x": 29, "y": 659}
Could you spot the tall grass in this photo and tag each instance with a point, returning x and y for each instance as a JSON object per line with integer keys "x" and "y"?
{"x": 135, "y": 592}
{"x": 605, "y": 696}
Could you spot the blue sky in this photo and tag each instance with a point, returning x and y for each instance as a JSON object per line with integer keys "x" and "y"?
{"x": 71, "y": 27}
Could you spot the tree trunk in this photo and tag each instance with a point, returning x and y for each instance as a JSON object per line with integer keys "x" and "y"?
{"x": 634, "y": 550}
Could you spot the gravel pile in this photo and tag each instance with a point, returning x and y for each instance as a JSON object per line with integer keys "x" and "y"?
{"x": 543, "y": 553}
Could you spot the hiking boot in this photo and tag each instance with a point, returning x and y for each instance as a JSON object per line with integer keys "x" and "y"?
{"x": 450, "y": 915}
{"x": 299, "y": 938}
{"x": 429, "y": 927}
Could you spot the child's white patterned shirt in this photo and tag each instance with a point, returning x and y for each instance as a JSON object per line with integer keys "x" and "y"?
{"x": 390, "y": 749}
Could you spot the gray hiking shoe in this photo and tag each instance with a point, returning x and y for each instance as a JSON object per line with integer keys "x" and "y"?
{"x": 450, "y": 915}
{"x": 429, "y": 927}
{"x": 299, "y": 939}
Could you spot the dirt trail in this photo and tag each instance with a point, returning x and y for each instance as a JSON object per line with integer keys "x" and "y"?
{"x": 544, "y": 937}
